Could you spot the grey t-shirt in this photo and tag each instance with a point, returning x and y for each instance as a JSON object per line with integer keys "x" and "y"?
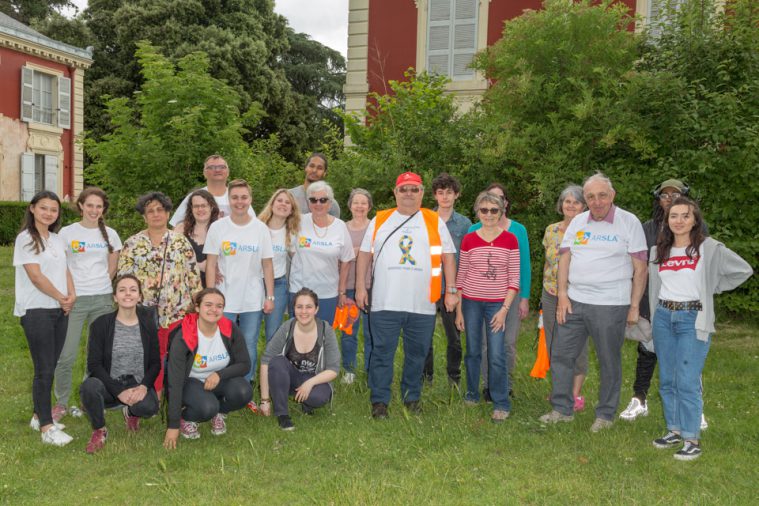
{"x": 299, "y": 193}
{"x": 127, "y": 357}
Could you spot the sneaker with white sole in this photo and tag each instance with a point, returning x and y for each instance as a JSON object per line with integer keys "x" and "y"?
{"x": 59, "y": 411}
{"x": 635, "y": 409}
{"x": 34, "y": 424}
{"x": 132, "y": 422}
{"x": 689, "y": 451}
{"x": 668, "y": 440}
{"x": 75, "y": 412}
{"x": 189, "y": 430}
{"x": 348, "y": 378}
{"x": 56, "y": 437}
{"x": 704, "y": 425}
{"x": 219, "y": 424}
{"x": 97, "y": 440}
{"x": 600, "y": 424}
{"x": 555, "y": 417}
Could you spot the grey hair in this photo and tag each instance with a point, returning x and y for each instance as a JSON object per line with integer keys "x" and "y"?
{"x": 360, "y": 191}
{"x": 490, "y": 198}
{"x": 570, "y": 191}
{"x": 598, "y": 176}
{"x": 320, "y": 186}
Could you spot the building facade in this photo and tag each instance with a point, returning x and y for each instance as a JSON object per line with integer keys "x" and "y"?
{"x": 41, "y": 113}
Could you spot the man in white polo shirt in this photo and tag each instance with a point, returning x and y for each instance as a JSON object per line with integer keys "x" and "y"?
{"x": 602, "y": 275}
{"x": 216, "y": 172}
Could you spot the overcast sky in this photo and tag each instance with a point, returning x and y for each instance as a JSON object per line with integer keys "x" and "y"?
{"x": 324, "y": 20}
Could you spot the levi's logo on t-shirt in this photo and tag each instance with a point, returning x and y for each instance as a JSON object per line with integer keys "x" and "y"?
{"x": 679, "y": 263}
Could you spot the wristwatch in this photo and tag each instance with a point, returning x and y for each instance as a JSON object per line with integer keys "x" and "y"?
{"x": 451, "y": 289}
{"x": 270, "y": 297}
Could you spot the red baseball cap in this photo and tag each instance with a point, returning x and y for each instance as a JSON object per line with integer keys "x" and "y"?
{"x": 408, "y": 178}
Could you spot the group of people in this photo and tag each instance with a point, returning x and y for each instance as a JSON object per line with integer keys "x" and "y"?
{"x": 191, "y": 300}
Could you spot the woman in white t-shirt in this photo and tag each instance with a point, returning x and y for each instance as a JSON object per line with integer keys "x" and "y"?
{"x": 282, "y": 216}
{"x": 323, "y": 253}
{"x": 44, "y": 296}
{"x": 92, "y": 251}
{"x": 686, "y": 271}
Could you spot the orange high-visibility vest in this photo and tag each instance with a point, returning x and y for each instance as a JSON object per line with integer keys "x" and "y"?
{"x": 436, "y": 247}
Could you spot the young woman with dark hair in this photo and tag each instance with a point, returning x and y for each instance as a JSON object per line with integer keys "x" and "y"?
{"x": 92, "y": 251}
{"x": 123, "y": 362}
{"x": 687, "y": 271}
{"x": 201, "y": 211}
{"x": 44, "y": 296}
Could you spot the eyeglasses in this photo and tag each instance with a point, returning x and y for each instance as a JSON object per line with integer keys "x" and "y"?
{"x": 321, "y": 200}
{"x": 409, "y": 189}
{"x": 669, "y": 196}
{"x": 491, "y": 210}
{"x": 198, "y": 207}
{"x": 216, "y": 167}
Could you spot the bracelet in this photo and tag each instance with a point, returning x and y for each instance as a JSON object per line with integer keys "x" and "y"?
{"x": 340, "y": 293}
{"x": 265, "y": 400}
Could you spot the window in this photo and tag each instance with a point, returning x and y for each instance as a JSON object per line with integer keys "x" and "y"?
{"x": 38, "y": 172}
{"x": 45, "y": 98}
{"x": 661, "y": 13}
{"x": 452, "y": 37}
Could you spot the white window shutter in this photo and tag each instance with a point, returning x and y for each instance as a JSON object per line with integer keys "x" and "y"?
{"x": 27, "y": 176}
{"x": 439, "y": 37}
{"x": 64, "y": 102}
{"x": 27, "y": 93}
{"x": 51, "y": 173}
{"x": 465, "y": 38}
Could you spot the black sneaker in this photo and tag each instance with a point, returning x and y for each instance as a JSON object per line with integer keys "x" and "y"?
{"x": 413, "y": 407}
{"x": 285, "y": 423}
{"x": 307, "y": 410}
{"x": 379, "y": 411}
{"x": 689, "y": 451}
{"x": 486, "y": 395}
{"x": 669, "y": 440}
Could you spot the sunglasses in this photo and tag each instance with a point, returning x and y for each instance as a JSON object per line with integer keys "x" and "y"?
{"x": 320, "y": 200}
{"x": 491, "y": 210}
{"x": 409, "y": 189}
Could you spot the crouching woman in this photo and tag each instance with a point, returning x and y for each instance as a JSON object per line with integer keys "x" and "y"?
{"x": 123, "y": 363}
{"x": 206, "y": 368}
{"x": 301, "y": 359}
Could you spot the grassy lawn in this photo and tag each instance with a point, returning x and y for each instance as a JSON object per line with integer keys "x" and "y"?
{"x": 450, "y": 454}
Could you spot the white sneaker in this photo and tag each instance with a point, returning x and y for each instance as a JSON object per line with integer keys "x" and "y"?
{"x": 35, "y": 424}
{"x": 348, "y": 378}
{"x": 634, "y": 410}
{"x": 55, "y": 436}
{"x": 704, "y": 425}
{"x": 75, "y": 411}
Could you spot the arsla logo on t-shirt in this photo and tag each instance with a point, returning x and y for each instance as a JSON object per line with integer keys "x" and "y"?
{"x": 679, "y": 263}
{"x": 78, "y": 246}
{"x": 228, "y": 248}
{"x": 304, "y": 242}
{"x": 582, "y": 238}
{"x": 201, "y": 361}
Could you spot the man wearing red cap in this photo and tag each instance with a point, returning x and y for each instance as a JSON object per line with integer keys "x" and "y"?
{"x": 410, "y": 248}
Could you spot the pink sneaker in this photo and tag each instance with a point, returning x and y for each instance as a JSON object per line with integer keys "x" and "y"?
{"x": 579, "y": 403}
{"x": 97, "y": 441}
{"x": 132, "y": 422}
{"x": 58, "y": 412}
{"x": 253, "y": 407}
{"x": 218, "y": 424}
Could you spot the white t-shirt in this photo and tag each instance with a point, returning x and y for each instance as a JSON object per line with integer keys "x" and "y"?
{"x": 280, "y": 250}
{"x": 680, "y": 276}
{"x": 87, "y": 255}
{"x": 403, "y": 269}
{"x": 52, "y": 264}
{"x": 222, "y": 201}
{"x": 240, "y": 250}
{"x": 210, "y": 357}
{"x": 315, "y": 264}
{"x": 601, "y": 268}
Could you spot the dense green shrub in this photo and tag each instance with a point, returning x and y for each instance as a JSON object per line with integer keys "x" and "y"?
{"x": 12, "y": 216}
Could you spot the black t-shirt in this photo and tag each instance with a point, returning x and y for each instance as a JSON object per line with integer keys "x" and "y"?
{"x": 303, "y": 362}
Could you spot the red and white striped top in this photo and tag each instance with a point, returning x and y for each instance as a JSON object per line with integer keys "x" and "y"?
{"x": 487, "y": 270}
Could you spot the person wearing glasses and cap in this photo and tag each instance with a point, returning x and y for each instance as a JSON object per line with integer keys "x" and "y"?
{"x": 664, "y": 194}
{"x": 315, "y": 170}
{"x": 216, "y": 172}
{"x": 410, "y": 247}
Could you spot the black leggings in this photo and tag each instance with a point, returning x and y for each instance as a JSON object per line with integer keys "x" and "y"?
{"x": 95, "y": 398}
{"x": 201, "y": 405}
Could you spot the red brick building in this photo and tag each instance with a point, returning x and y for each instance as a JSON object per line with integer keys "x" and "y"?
{"x": 386, "y": 37}
{"x": 41, "y": 113}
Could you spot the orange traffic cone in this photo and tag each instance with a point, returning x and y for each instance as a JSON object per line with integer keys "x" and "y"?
{"x": 542, "y": 362}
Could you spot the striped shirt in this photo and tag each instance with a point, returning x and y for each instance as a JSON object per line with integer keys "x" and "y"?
{"x": 488, "y": 269}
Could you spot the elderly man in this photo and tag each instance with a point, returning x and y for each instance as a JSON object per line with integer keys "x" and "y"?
{"x": 216, "y": 172}
{"x": 316, "y": 170}
{"x": 601, "y": 278}
{"x": 410, "y": 248}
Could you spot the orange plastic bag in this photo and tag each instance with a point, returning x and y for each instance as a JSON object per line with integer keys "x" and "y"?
{"x": 345, "y": 317}
{"x": 542, "y": 362}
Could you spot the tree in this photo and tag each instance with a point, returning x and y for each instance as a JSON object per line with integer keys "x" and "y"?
{"x": 26, "y": 11}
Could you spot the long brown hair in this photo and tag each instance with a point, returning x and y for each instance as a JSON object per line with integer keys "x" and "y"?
{"x": 292, "y": 223}
{"x": 94, "y": 190}
{"x": 28, "y": 224}
{"x": 666, "y": 238}
{"x": 189, "y": 223}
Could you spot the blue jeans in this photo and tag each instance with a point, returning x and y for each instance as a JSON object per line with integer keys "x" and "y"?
{"x": 273, "y": 320}
{"x": 349, "y": 342}
{"x": 326, "y": 310}
{"x": 681, "y": 359}
{"x": 477, "y": 314}
{"x": 417, "y": 334}
{"x": 250, "y": 326}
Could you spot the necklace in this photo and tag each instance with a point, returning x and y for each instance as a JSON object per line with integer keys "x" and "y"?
{"x": 326, "y": 229}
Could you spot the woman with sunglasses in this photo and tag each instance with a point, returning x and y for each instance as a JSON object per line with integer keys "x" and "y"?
{"x": 488, "y": 280}
{"x": 201, "y": 211}
{"x": 322, "y": 254}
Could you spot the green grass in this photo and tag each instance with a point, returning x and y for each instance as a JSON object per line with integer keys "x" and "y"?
{"x": 448, "y": 455}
